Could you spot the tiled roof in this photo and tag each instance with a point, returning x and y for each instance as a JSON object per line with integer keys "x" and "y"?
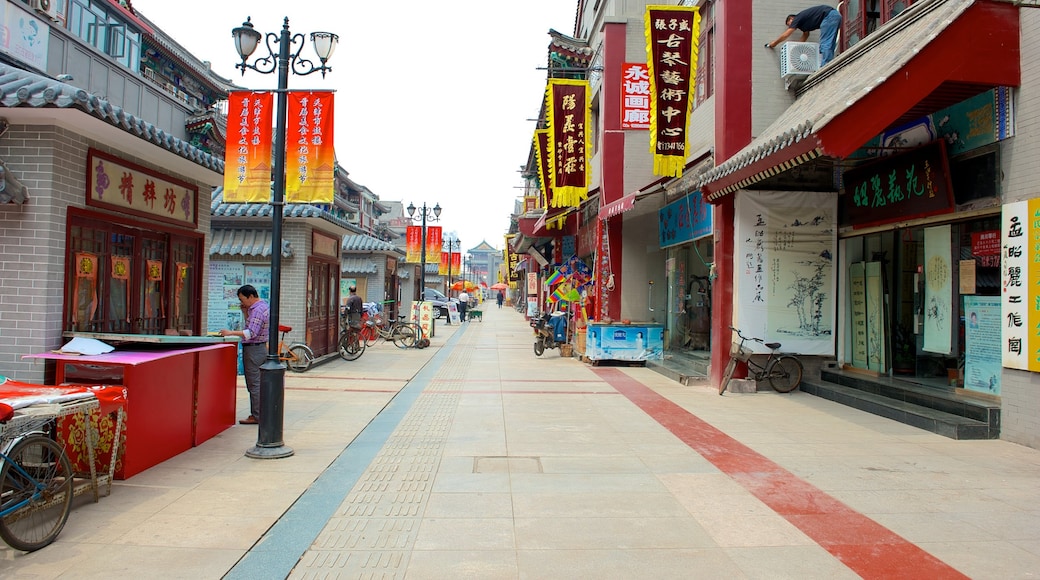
{"x": 21, "y": 88}
{"x": 263, "y": 210}
{"x": 244, "y": 242}
{"x": 351, "y": 265}
{"x": 367, "y": 244}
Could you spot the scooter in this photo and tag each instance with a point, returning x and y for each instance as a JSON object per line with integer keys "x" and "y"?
{"x": 544, "y": 333}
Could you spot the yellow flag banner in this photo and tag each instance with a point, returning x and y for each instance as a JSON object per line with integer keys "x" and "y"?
{"x": 247, "y": 158}
{"x": 413, "y": 248}
{"x": 541, "y": 152}
{"x": 310, "y": 158}
{"x": 570, "y": 119}
{"x": 671, "y": 49}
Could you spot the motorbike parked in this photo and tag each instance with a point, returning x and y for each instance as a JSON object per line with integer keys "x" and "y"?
{"x": 548, "y": 333}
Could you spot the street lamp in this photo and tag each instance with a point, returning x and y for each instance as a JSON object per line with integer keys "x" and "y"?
{"x": 425, "y": 214}
{"x": 269, "y": 444}
{"x": 453, "y": 244}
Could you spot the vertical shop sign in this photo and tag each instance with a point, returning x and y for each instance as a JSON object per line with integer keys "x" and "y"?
{"x": 671, "y": 49}
{"x": 1014, "y": 267}
{"x": 310, "y": 158}
{"x": 247, "y": 158}
{"x": 938, "y": 290}
{"x": 512, "y": 260}
{"x": 858, "y": 302}
{"x": 635, "y": 96}
{"x": 541, "y": 152}
{"x": 570, "y": 119}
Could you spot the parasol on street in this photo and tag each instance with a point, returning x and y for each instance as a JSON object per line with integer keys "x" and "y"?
{"x": 463, "y": 285}
{"x": 499, "y": 286}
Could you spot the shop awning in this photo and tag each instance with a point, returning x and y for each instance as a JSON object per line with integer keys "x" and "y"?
{"x": 618, "y": 206}
{"x": 935, "y": 54}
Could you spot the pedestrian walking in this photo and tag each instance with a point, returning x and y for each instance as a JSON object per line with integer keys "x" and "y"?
{"x": 257, "y": 314}
{"x": 463, "y": 304}
{"x": 500, "y": 299}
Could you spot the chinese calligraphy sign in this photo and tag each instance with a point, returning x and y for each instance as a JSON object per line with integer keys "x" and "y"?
{"x": 635, "y": 96}
{"x": 119, "y": 185}
{"x": 570, "y": 119}
{"x": 247, "y": 159}
{"x": 672, "y": 34}
{"x": 310, "y": 158}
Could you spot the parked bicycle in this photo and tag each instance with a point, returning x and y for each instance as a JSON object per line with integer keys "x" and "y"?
{"x": 351, "y": 343}
{"x": 35, "y": 484}
{"x": 297, "y": 356}
{"x": 402, "y": 334}
{"x": 783, "y": 371}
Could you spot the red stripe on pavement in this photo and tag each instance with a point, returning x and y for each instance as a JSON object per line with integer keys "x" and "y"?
{"x": 868, "y": 548}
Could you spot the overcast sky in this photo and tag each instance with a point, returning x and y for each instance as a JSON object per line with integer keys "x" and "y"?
{"x": 433, "y": 98}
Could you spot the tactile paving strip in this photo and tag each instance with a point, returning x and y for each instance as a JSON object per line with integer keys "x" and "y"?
{"x": 374, "y": 529}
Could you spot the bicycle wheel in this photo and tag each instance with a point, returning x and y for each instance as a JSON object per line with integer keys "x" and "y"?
{"x": 785, "y": 373}
{"x": 350, "y": 345}
{"x": 727, "y": 375}
{"x": 300, "y": 358}
{"x": 369, "y": 334}
{"x": 404, "y": 335}
{"x": 43, "y": 484}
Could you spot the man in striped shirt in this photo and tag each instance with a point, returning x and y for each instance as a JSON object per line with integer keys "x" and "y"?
{"x": 257, "y": 313}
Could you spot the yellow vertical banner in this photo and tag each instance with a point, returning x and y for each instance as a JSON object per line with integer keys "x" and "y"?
{"x": 1033, "y": 299}
{"x": 310, "y": 157}
{"x": 247, "y": 158}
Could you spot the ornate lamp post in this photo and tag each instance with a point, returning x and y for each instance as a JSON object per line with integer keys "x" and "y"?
{"x": 269, "y": 444}
{"x": 425, "y": 214}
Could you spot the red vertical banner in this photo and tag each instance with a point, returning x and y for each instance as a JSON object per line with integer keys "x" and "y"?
{"x": 541, "y": 152}
{"x": 310, "y": 158}
{"x": 434, "y": 241}
{"x": 570, "y": 120}
{"x": 671, "y": 48}
{"x": 247, "y": 158}
{"x": 456, "y": 262}
{"x": 413, "y": 249}
{"x": 635, "y": 96}
{"x": 443, "y": 268}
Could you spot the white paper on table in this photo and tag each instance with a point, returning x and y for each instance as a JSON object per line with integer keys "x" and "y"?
{"x": 87, "y": 346}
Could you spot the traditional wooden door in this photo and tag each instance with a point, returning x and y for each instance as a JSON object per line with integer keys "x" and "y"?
{"x": 322, "y": 305}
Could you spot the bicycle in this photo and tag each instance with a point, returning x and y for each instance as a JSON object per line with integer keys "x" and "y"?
{"x": 36, "y": 481}
{"x": 402, "y": 334}
{"x": 783, "y": 371}
{"x": 351, "y": 344}
{"x": 297, "y": 356}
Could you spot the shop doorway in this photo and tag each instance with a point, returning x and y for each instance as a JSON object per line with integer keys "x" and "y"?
{"x": 322, "y": 305}
{"x": 689, "y": 296}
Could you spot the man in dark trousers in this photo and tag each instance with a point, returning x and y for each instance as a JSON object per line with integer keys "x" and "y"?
{"x": 257, "y": 314}
{"x": 824, "y": 18}
{"x": 355, "y": 306}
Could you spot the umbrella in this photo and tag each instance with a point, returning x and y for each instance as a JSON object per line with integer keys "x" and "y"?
{"x": 463, "y": 285}
{"x": 499, "y": 286}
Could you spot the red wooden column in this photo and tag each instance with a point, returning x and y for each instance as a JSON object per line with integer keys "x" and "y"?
{"x": 612, "y": 158}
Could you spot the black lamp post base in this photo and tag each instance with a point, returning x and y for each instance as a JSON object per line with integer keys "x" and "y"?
{"x": 277, "y": 452}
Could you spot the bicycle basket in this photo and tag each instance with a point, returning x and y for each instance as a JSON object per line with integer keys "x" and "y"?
{"x": 740, "y": 353}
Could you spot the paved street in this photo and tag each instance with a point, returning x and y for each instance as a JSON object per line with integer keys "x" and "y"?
{"x": 476, "y": 459}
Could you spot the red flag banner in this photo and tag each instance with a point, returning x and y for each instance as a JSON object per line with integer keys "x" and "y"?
{"x": 541, "y": 151}
{"x": 413, "y": 249}
{"x": 570, "y": 119}
{"x": 434, "y": 241}
{"x": 442, "y": 269}
{"x": 671, "y": 49}
{"x": 310, "y": 159}
{"x": 247, "y": 158}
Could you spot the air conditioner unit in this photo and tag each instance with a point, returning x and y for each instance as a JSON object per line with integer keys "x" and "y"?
{"x": 798, "y": 59}
{"x": 48, "y": 8}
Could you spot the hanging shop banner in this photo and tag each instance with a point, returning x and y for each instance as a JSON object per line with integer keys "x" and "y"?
{"x": 570, "y": 117}
{"x": 635, "y": 96}
{"x": 1020, "y": 285}
{"x": 858, "y": 315}
{"x": 128, "y": 188}
{"x": 434, "y": 241}
{"x": 907, "y": 185}
{"x": 247, "y": 158}
{"x": 671, "y": 51}
{"x": 413, "y": 241}
{"x": 442, "y": 269}
{"x": 541, "y": 151}
{"x": 310, "y": 158}
{"x": 684, "y": 220}
{"x": 784, "y": 269}
{"x": 120, "y": 267}
{"x": 511, "y": 259}
{"x": 938, "y": 290}
{"x": 982, "y": 344}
